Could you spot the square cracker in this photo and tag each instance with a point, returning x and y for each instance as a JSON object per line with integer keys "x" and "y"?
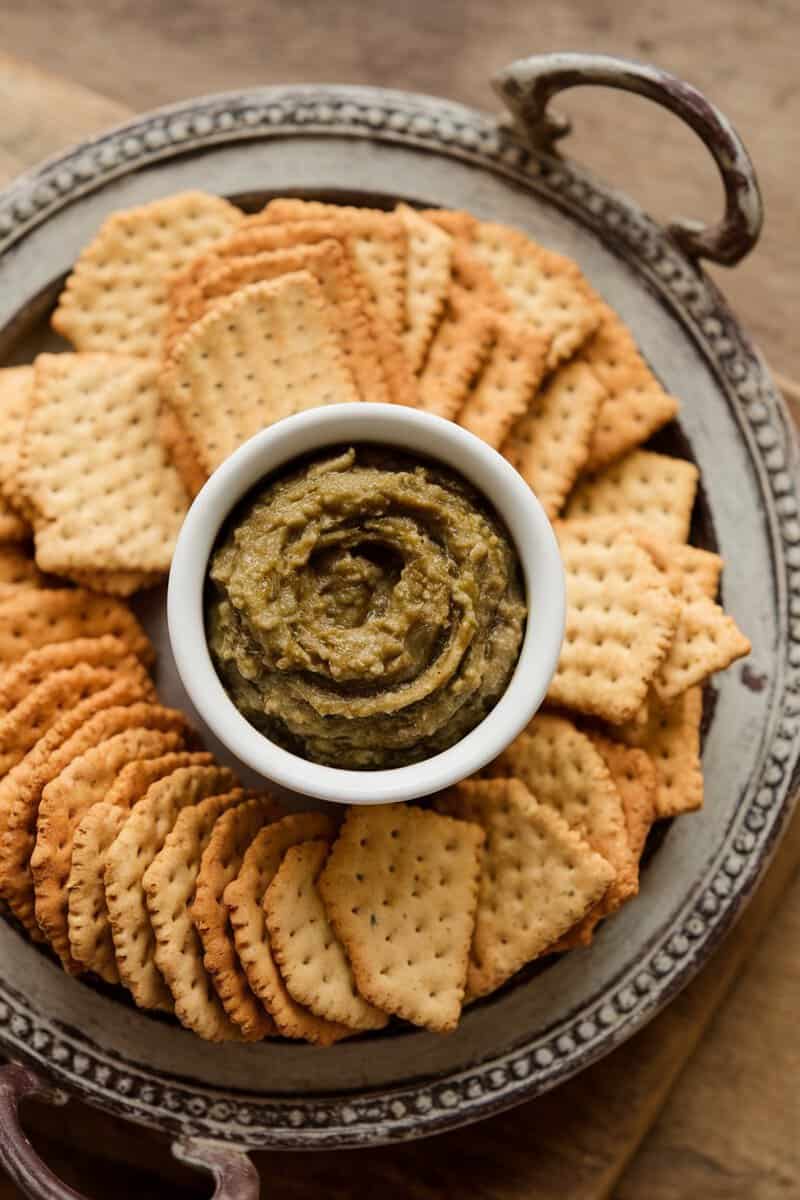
{"x": 16, "y": 390}
{"x": 430, "y": 254}
{"x": 130, "y": 854}
{"x": 268, "y": 351}
{"x": 671, "y": 736}
{"x": 311, "y": 959}
{"x": 653, "y": 490}
{"x": 400, "y": 888}
{"x": 635, "y": 778}
{"x": 459, "y": 348}
{"x": 244, "y": 898}
{"x": 506, "y": 383}
{"x": 104, "y": 495}
{"x": 621, "y": 618}
{"x": 221, "y": 863}
{"x": 549, "y": 444}
{"x": 35, "y": 617}
{"x": 115, "y": 300}
{"x": 538, "y": 877}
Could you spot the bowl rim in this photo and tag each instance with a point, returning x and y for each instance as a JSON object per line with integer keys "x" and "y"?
{"x": 415, "y": 431}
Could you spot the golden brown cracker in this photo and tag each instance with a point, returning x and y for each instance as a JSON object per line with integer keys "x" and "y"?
{"x": 16, "y": 389}
{"x": 459, "y": 348}
{"x": 18, "y": 568}
{"x": 37, "y": 665}
{"x": 430, "y": 254}
{"x": 400, "y": 888}
{"x": 458, "y": 224}
{"x": 644, "y": 488}
{"x": 671, "y": 736}
{"x": 507, "y": 382}
{"x": 181, "y": 451}
{"x": 635, "y": 778}
{"x": 706, "y": 640}
{"x": 35, "y": 617}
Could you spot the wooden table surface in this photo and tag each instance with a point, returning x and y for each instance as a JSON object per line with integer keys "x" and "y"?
{"x": 705, "y": 1102}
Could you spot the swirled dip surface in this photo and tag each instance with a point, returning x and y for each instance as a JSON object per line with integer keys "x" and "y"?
{"x": 365, "y": 609}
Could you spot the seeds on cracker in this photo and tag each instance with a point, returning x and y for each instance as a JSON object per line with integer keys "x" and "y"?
{"x": 312, "y": 962}
{"x": 115, "y": 298}
{"x": 645, "y": 488}
{"x": 671, "y": 736}
{"x": 430, "y": 253}
{"x": 35, "y": 617}
{"x": 400, "y": 889}
{"x": 538, "y": 877}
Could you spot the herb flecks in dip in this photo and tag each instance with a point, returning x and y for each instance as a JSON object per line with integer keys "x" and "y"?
{"x": 366, "y": 608}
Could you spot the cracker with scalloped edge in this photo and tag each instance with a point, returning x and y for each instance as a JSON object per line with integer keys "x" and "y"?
{"x": 459, "y": 348}
{"x": 18, "y": 568}
{"x": 538, "y": 879}
{"x": 400, "y": 888}
{"x": 222, "y": 861}
{"x": 549, "y": 443}
{"x": 310, "y": 957}
{"x": 16, "y": 389}
{"x": 65, "y": 799}
{"x": 457, "y": 223}
{"x": 181, "y": 451}
{"x": 130, "y": 854}
{"x": 169, "y": 886}
{"x": 244, "y": 898}
{"x": 430, "y": 255}
{"x": 123, "y": 705}
{"x": 38, "y": 665}
{"x": 90, "y": 940}
{"x": 621, "y": 618}
{"x": 671, "y": 736}
{"x": 115, "y": 299}
{"x": 506, "y": 384}
{"x": 653, "y": 490}
{"x": 635, "y": 778}
{"x": 34, "y": 617}
{"x": 115, "y": 583}
{"x": 265, "y": 352}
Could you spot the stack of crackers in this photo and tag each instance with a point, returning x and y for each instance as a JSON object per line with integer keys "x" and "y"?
{"x": 123, "y": 844}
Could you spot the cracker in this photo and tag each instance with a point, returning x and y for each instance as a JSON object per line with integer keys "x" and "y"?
{"x": 35, "y": 617}
{"x": 538, "y": 877}
{"x": 635, "y": 404}
{"x": 311, "y": 959}
{"x": 115, "y": 298}
{"x": 507, "y": 382}
{"x": 65, "y": 799}
{"x": 620, "y": 621}
{"x": 169, "y": 886}
{"x": 221, "y": 863}
{"x": 121, "y": 706}
{"x": 459, "y": 348}
{"x": 430, "y": 254}
{"x": 38, "y": 665}
{"x": 90, "y": 940}
{"x": 634, "y": 774}
{"x": 130, "y": 854}
{"x": 547, "y": 290}
{"x": 115, "y": 583}
{"x": 457, "y": 224}
{"x": 706, "y": 640}
{"x": 671, "y": 736}
{"x": 646, "y": 488}
{"x": 18, "y": 569}
{"x": 16, "y": 388}
{"x": 268, "y": 351}
{"x": 181, "y": 451}
{"x": 700, "y": 567}
{"x": 105, "y": 496}
{"x": 400, "y": 888}
{"x": 244, "y": 897}
{"x": 549, "y": 443}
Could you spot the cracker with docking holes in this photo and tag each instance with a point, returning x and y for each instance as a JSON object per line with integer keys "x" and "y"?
{"x": 35, "y": 617}
{"x": 221, "y": 863}
{"x": 16, "y": 389}
{"x": 644, "y": 488}
{"x": 538, "y": 877}
{"x": 311, "y": 959}
{"x": 671, "y": 736}
{"x": 459, "y": 348}
{"x": 400, "y": 888}
{"x": 115, "y": 299}
{"x": 18, "y": 568}
{"x": 37, "y": 665}
{"x": 635, "y": 778}
{"x": 506, "y": 384}
{"x": 430, "y": 254}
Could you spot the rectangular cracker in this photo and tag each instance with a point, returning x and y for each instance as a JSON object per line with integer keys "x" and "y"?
{"x": 549, "y": 443}
{"x": 35, "y": 617}
{"x": 221, "y": 862}
{"x": 538, "y": 877}
{"x": 37, "y": 665}
{"x": 458, "y": 350}
{"x": 244, "y": 898}
{"x": 671, "y": 736}
{"x": 270, "y": 350}
{"x": 105, "y": 496}
{"x": 16, "y": 390}
{"x": 653, "y": 490}
{"x": 115, "y": 299}
{"x": 130, "y": 854}
{"x": 18, "y": 568}
{"x": 430, "y": 254}
{"x": 310, "y": 957}
{"x": 636, "y": 780}
{"x": 507, "y": 382}
{"x": 400, "y": 888}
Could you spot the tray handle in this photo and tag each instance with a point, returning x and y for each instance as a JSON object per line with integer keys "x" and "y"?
{"x": 527, "y": 86}
{"x": 234, "y": 1174}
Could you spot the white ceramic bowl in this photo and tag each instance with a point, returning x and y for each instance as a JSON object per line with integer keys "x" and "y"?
{"x": 416, "y": 432}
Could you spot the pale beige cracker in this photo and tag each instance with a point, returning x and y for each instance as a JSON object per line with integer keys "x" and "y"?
{"x": 127, "y": 859}
{"x": 244, "y": 898}
{"x": 181, "y": 451}
{"x": 18, "y": 568}
{"x": 115, "y": 583}
{"x": 90, "y": 940}
{"x": 701, "y": 567}
{"x": 549, "y": 443}
{"x": 65, "y": 799}
{"x": 474, "y": 278}
{"x": 505, "y": 387}
{"x": 538, "y": 879}
{"x": 221, "y": 863}
{"x": 671, "y": 736}
{"x": 621, "y": 618}
{"x": 169, "y": 886}
{"x": 265, "y": 352}
{"x": 311, "y": 959}
{"x": 546, "y": 289}
{"x": 115, "y": 299}
{"x": 37, "y": 665}
{"x": 106, "y": 497}
{"x": 400, "y": 888}
{"x": 35, "y": 617}
{"x": 635, "y": 404}
{"x": 456, "y": 354}
{"x": 653, "y": 490}
{"x": 636, "y": 780}
{"x": 430, "y": 255}
{"x": 16, "y": 389}
{"x": 121, "y": 706}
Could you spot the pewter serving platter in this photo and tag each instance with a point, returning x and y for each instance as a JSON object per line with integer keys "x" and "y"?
{"x": 371, "y": 146}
